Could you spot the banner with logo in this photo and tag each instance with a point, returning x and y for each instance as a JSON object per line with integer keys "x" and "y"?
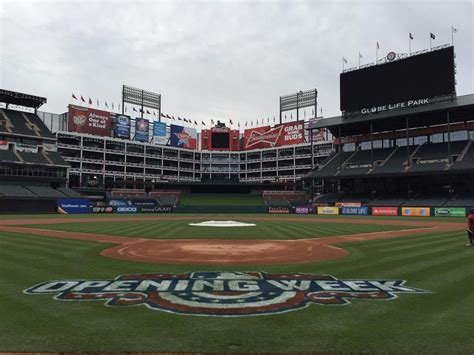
{"x": 142, "y": 132}
{"x": 122, "y": 126}
{"x": 126, "y": 209}
{"x": 3, "y": 145}
{"x": 304, "y": 210}
{"x": 183, "y": 137}
{"x": 30, "y": 148}
{"x": 156, "y": 209}
{"x": 279, "y": 210}
{"x": 328, "y": 210}
{"x": 267, "y": 137}
{"x": 416, "y": 211}
{"x": 359, "y": 211}
{"x": 159, "y": 133}
{"x": 88, "y": 120}
{"x": 384, "y": 211}
{"x": 450, "y": 212}
{"x": 102, "y": 209}
{"x": 348, "y": 204}
{"x": 73, "y": 205}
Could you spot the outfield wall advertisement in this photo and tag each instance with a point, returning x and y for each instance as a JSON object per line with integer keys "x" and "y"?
{"x": 88, "y": 120}
{"x": 279, "y": 210}
{"x": 450, "y": 212}
{"x": 328, "y": 210}
{"x": 384, "y": 211}
{"x": 359, "y": 211}
{"x": 267, "y": 137}
{"x": 416, "y": 211}
{"x": 73, "y": 205}
{"x": 183, "y": 137}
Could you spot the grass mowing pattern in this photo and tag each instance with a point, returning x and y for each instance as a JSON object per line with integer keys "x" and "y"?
{"x": 221, "y": 200}
{"x": 438, "y": 323}
{"x": 179, "y": 229}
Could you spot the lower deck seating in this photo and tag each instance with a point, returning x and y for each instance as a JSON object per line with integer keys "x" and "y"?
{"x": 44, "y": 191}
{"x": 7, "y": 190}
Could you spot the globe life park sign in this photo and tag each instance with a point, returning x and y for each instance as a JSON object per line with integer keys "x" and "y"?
{"x": 395, "y": 106}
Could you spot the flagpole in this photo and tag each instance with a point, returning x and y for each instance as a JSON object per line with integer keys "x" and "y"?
{"x": 343, "y": 64}
{"x": 409, "y": 44}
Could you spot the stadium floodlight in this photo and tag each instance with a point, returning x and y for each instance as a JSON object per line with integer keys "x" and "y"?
{"x": 298, "y": 100}
{"x": 141, "y": 98}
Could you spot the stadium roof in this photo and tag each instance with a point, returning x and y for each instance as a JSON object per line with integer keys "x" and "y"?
{"x": 21, "y": 99}
{"x": 461, "y": 109}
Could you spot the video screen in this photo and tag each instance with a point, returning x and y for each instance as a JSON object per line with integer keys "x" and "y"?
{"x": 220, "y": 140}
{"x": 421, "y": 76}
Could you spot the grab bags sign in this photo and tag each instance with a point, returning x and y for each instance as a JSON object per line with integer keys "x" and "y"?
{"x": 416, "y": 211}
{"x": 73, "y": 205}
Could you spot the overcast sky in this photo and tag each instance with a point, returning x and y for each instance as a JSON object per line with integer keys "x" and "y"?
{"x": 214, "y": 59}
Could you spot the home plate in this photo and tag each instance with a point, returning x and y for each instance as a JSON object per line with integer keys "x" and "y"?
{"x": 222, "y": 224}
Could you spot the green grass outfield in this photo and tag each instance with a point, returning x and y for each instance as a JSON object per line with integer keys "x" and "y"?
{"x": 180, "y": 229}
{"x": 440, "y": 322}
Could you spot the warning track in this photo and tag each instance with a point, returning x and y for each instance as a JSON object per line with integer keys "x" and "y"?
{"x": 226, "y": 252}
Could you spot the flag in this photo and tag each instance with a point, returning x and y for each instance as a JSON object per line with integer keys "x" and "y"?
{"x": 82, "y": 99}
{"x": 360, "y": 55}
{"x": 432, "y": 36}
{"x": 238, "y": 124}
{"x": 112, "y": 105}
{"x": 410, "y": 35}
{"x": 106, "y": 104}
{"x": 344, "y": 60}
{"x": 179, "y": 118}
{"x": 135, "y": 110}
{"x": 195, "y": 123}
{"x": 172, "y": 117}
{"x": 231, "y": 122}
{"x": 119, "y": 107}
{"x": 97, "y": 102}
{"x": 378, "y": 45}
{"x": 273, "y": 119}
{"x": 74, "y": 97}
{"x": 212, "y": 121}
{"x": 148, "y": 112}
{"x": 202, "y": 122}
{"x": 454, "y": 29}
{"x": 245, "y": 123}
{"x": 90, "y": 101}
{"x": 154, "y": 113}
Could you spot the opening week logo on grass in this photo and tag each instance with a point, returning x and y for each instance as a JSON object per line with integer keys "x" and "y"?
{"x": 224, "y": 293}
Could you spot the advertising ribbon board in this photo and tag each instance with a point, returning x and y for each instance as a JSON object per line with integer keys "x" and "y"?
{"x": 416, "y": 211}
{"x": 450, "y": 212}
{"x": 73, "y": 205}
{"x": 355, "y": 211}
{"x": 384, "y": 211}
{"x": 328, "y": 210}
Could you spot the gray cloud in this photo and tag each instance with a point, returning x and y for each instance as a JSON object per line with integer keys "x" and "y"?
{"x": 214, "y": 59}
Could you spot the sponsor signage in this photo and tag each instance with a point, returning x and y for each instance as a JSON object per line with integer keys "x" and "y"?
{"x": 88, "y": 120}
{"x": 183, "y": 137}
{"x": 328, "y": 210}
{"x": 450, "y": 212}
{"x": 224, "y": 294}
{"x": 73, "y": 205}
{"x": 122, "y": 126}
{"x": 355, "y": 210}
{"x": 3, "y": 145}
{"x": 279, "y": 210}
{"x": 304, "y": 210}
{"x": 156, "y": 209}
{"x": 267, "y": 137}
{"x": 159, "y": 133}
{"x": 102, "y": 209}
{"x": 348, "y": 204}
{"x": 120, "y": 202}
{"x": 384, "y": 211}
{"x": 30, "y": 148}
{"x": 416, "y": 211}
{"x": 396, "y": 106}
{"x": 126, "y": 209}
{"x": 142, "y": 131}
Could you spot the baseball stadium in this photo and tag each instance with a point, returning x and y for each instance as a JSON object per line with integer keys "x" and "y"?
{"x": 135, "y": 230}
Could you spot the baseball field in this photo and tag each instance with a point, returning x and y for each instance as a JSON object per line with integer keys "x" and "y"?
{"x": 286, "y": 284}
